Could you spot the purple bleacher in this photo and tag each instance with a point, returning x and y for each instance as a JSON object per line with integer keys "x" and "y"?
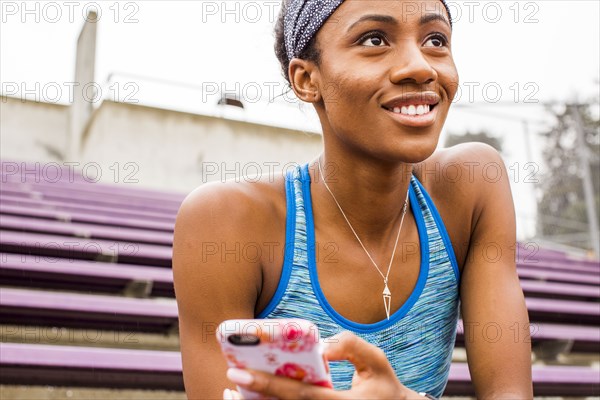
{"x": 565, "y": 311}
{"x": 74, "y": 235}
{"x": 90, "y": 249}
{"x": 25, "y": 201}
{"x": 562, "y": 266}
{"x": 88, "y": 231}
{"x": 586, "y": 339}
{"x": 28, "y": 364}
{"x": 82, "y": 366}
{"x": 52, "y": 272}
{"x": 69, "y": 195}
{"x": 38, "y": 271}
{"x": 85, "y": 217}
{"x": 536, "y": 254}
{"x": 90, "y": 190}
{"x": 73, "y": 177}
{"x": 61, "y": 273}
{"x": 29, "y": 306}
{"x": 564, "y": 291}
{"x": 548, "y": 380}
{"x": 555, "y": 276}
{"x": 35, "y": 307}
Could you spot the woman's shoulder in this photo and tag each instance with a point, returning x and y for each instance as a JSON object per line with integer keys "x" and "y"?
{"x": 462, "y": 168}
{"x": 235, "y": 204}
{"x": 458, "y": 180}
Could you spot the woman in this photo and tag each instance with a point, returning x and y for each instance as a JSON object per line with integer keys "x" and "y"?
{"x": 413, "y": 230}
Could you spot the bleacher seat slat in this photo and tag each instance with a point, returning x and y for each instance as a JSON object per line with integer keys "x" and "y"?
{"x": 539, "y": 255}
{"x": 31, "y": 307}
{"x": 89, "y": 184}
{"x": 575, "y": 312}
{"x": 61, "y": 273}
{"x": 100, "y": 201}
{"x": 15, "y": 358}
{"x": 39, "y": 364}
{"x": 88, "y": 231}
{"x": 560, "y": 290}
{"x": 20, "y": 304}
{"x": 85, "y": 217}
{"x": 548, "y": 380}
{"x": 36, "y": 270}
{"x": 555, "y": 276}
{"x": 562, "y": 266}
{"x": 79, "y": 248}
{"x": 7, "y": 199}
{"x": 55, "y": 192}
{"x": 586, "y": 339}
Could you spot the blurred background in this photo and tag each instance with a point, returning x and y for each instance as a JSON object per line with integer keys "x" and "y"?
{"x": 111, "y": 112}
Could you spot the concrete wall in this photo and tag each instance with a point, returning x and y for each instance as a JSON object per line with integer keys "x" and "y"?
{"x": 32, "y": 131}
{"x": 149, "y": 147}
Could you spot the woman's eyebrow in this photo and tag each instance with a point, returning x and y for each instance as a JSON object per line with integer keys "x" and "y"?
{"x": 433, "y": 17}
{"x": 386, "y": 19}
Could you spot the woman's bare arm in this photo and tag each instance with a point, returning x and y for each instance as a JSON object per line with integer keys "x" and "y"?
{"x": 212, "y": 282}
{"x": 492, "y": 302}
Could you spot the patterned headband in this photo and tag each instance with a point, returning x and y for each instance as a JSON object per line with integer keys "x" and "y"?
{"x": 304, "y": 18}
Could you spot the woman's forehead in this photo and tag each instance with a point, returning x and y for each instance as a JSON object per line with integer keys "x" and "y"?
{"x": 392, "y": 11}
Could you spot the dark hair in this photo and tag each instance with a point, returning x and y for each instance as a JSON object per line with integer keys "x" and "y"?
{"x": 310, "y": 53}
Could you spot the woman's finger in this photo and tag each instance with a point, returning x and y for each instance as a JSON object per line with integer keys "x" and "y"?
{"x": 364, "y": 356}
{"x": 230, "y": 394}
{"x": 280, "y": 387}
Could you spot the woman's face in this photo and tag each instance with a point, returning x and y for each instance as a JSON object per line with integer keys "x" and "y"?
{"x": 386, "y": 77}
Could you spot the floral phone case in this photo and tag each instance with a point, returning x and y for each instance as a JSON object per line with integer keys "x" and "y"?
{"x": 283, "y": 347}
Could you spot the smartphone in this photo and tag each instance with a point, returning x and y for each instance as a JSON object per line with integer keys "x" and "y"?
{"x": 285, "y": 347}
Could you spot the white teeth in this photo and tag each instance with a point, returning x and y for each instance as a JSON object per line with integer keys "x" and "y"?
{"x": 412, "y": 109}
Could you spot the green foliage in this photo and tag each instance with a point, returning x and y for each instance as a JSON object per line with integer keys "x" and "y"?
{"x": 561, "y": 206}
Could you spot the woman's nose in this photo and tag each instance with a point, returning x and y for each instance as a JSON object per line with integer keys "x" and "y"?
{"x": 411, "y": 66}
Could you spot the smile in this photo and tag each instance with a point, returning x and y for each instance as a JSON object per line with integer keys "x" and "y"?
{"x": 412, "y": 109}
{"x": 414, "y": 115}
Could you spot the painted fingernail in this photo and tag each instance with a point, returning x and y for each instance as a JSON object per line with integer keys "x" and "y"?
{"x": 227, "y": 395}
{"x": 239, "y": 376}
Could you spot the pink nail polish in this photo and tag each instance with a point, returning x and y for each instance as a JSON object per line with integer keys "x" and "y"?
{"x": 227, "y": 395}
{"x": 239, "y": 376}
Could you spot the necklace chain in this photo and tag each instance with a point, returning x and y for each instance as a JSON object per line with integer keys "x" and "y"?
{"x": 385, "y": 277}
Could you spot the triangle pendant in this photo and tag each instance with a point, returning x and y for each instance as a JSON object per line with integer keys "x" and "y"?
{"x": 387, "y": 300}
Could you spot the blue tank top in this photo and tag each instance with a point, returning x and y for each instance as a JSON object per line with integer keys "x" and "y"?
{"x": 418, "y": 339}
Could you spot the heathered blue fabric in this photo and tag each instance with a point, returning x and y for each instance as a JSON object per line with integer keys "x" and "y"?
{"x": 419, "y": 337}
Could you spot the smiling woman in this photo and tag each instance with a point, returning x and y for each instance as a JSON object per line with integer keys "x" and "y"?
{"x": 411, "y": 244}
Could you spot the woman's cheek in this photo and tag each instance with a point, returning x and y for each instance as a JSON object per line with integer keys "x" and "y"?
{"x": 449, "y": 80}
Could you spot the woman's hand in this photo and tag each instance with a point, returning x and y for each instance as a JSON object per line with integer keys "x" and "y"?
{"x": 374, "y": 377}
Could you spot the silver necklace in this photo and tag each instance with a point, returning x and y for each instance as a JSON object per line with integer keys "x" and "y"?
{"x": 387, "y": 295}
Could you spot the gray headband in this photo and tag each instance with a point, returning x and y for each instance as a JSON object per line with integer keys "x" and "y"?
{"x": 304, "y": 18}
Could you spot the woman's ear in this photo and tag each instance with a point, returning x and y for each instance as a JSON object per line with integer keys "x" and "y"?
{"x": 303, "y": 75}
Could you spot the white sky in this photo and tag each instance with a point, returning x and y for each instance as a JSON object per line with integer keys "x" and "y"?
{"x": 548, "y": 50}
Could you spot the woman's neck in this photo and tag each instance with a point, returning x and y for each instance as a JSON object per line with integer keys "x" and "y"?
{"x": 370, "y": 193}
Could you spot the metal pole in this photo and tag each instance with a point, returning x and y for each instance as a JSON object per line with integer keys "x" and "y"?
{"x": 588, "y": 188}
{"x": 529, "y": 156}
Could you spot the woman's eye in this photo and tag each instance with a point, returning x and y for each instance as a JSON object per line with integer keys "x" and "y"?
{"x": 436, "y": 41}
{"x": 373, "y": 40}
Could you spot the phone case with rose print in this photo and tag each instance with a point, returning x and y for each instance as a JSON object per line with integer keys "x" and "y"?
{"x": 282, "y": 347}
